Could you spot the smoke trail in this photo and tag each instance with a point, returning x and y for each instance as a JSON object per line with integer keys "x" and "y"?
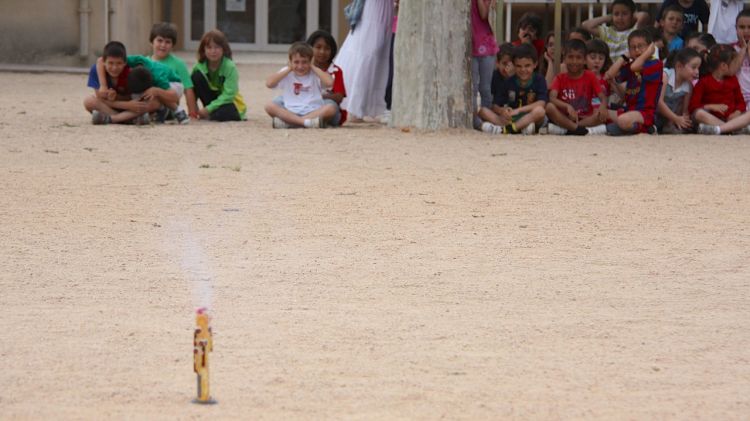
{"x": 194, "y": 264}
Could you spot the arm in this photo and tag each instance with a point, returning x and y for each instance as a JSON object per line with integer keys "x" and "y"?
{"x": 104, "y": 91}
{"x": 527, "y": 108}
{"x": 680, "y": 121}
{"x": 163, "y": 95}
{"x": 614, "y": 70}
{"x": 192, "y": 105}
{"x": 642, "y": 19}
{"x": 562, "y": 104}
{"x": 275, "y": 78}
{"x": 325, "y": 79}
{"x": 231, "y": 87}
{"x": 638, "y": 63}
{"x": 593, "y": 24}
{"x": 736, "y": 64}
{"x": 133, "y": 105}
{"x": 484, "y": 8}
{"x": 335, "y": 96}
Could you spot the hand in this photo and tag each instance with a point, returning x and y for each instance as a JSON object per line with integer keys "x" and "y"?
{"x": 513, "y": 112}
{"x": 743, "y": 44}
{"x": 683, "y": 122}
{"x": 150, "y": 93}
{"x": 193, "y": 115}
{"x": 651, "y": 49}
{"x": 548, "y": 56}
{"x": 602, "y": 114}
{"x": 572, "y": 113}
{"x": 720, "y": 108}
{"x": 111, "y": 94}
{"x": 203, "y": 114}
{"x": 141, "y": 107}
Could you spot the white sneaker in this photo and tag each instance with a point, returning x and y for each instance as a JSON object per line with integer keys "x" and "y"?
{"x": 142, "y": 120}
{"x": 598, "y": 130}
{"x": 490, "y": 128}
{"x": 529, "y": 130}
{"x": 708, "y": 129}
{"x": 555, "y": 129}
{"x": 280, "y": 124}
{"x": 386, "y": 117}
{"x": 744, "y": 130}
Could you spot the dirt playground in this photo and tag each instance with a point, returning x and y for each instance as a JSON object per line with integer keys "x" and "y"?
{"x": 366, "y": 273}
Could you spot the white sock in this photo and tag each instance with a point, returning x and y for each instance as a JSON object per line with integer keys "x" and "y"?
{"x": 308, "y": 123}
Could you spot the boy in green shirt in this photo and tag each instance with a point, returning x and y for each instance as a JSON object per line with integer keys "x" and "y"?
{"x": 163, "y": 38}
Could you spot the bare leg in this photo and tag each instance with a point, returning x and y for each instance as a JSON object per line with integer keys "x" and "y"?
{"x": 275, "y": 110}
{"x": 536, "y": 115}
{"x": 589, "y": 121}
{"x": 627, "y": 121}
{"x": 736, "y": 122}
{"x": 703, "y": 116}
{"x": 325, "y": 112}
{"x": 557, "y": 117}
{"x": 488, "y": 115}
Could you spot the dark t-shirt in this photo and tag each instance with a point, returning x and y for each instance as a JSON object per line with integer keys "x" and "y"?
{"x": 513, "y": 95}
{"x": 120, "y": 85}
{"x": 497, "y": 82}
{"x": 698, "y": 11}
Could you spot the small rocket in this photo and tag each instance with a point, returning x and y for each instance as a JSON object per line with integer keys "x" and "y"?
{"x": 203, "y": 344}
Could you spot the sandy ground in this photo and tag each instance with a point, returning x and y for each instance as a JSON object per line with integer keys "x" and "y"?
{"x": 366, "y": 273}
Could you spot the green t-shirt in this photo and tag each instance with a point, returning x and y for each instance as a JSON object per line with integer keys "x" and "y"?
{"x": 161, "y": 74}
{"x": 180, "y": 68}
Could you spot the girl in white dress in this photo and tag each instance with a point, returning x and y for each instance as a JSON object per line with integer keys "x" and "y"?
{"x": 364, "y": 59}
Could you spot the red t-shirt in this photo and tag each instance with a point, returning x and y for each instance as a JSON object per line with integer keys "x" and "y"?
{"x": 338, "y": 85}
{"x": 538, "y": 45}
{"x": 577, "y": 92}
{"x": 727, "y": 91}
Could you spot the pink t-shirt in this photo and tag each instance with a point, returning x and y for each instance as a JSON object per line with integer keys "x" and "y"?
{"x": 743, "y": 76}
{"x": 482, "y": 39}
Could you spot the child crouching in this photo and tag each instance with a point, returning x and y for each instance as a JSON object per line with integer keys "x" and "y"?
{"x": 301, "y": 103}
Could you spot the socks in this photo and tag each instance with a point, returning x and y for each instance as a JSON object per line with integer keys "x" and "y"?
{"x": 308, "y": 123}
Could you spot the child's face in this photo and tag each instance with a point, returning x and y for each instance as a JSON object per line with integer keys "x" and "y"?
{"x": 636, "y": 46}
{"x": 114, "y": 66}
{"x": 161, "y": 47}
{"x": 214, "y": 52}
{"x": 321, "y": 53}
{"x": 690, "y": 70}
{"x": 743, "y": 28}
{"x": 696, "y": 45}
{"x": 595, "y": 62}
{"x": 505, "y": 66}
{"x": 527, "y": 33}
{"x": 622, "y": 17}
{"x": 671, "y": 22}
{"x": 574, "y": 61}
{"x": 551, "y": 46}
{"x": 524, "y": 68}
{"x": 300, "y": 65}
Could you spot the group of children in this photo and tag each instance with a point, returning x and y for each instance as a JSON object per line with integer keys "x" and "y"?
{"x": 619, "y": 75}
{"x": 138, "y": 89}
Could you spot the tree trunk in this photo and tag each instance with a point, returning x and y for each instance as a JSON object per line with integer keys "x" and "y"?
{"x": 432, "y": 60}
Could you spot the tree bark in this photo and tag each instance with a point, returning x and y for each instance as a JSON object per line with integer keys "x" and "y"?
{"x": 432, "y": 65}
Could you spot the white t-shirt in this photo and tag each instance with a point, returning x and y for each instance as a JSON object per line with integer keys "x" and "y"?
{"x": 721, "y": 21}
{"x": 302, "y": 94}
{"x": 743, "y": 76}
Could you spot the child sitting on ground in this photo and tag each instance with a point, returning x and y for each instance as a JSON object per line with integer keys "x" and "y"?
{"x": 112, "y": 101}
{"x": 598, "y": 61}
{"x": 671, "y": 26}
{"x": 324, "y": 50}
{"x": 677, "y": 86}
{"x": 301, "y": 85}
{"x": 216, "y": 80}
{"x": 741, "y": 64}
{"x": 163, "y": 38}
{"x": 519, "y": 103}
{"x": 642, "y": 74}
{"x": 503, "y": 67}
{"x": 569, "y": 108}
{"x": 717, "y": 102}
{"x": 624, "y": 20}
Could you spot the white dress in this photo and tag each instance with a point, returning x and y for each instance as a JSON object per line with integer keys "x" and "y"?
{"x": 364, "y": 60}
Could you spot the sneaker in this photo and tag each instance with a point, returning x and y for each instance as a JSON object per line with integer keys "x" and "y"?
{"x": 280, "y": 124}
{"x": 597, "y": 130}
{"x": 160, "y": 116}
{"x": 744, "y": 130}
{"x": 708, "y": 129}
{"x": 614, "y": 130}
{"x": 315, "y": 123}
{"x": 142, "y": 120}
{"x": 490, "y": 128}
{"x": 386, "y": 117}
{"x": 182, "y": 117}
{"x": 529, "y": 130}
{"x": 555, "y": 129}
{"x": 100, "y": 118}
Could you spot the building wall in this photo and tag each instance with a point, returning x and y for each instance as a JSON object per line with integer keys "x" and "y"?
{"x": 33, "y": 31}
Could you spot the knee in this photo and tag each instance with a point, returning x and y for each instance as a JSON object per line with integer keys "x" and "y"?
{"x": 89, "y": 103}
{"x": 537, "y": 112}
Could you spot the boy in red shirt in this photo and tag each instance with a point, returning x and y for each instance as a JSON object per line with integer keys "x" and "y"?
{"x": 642, "y": 74}
{"x": 570, "y": 96}
{"x": 717, "y": 102}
